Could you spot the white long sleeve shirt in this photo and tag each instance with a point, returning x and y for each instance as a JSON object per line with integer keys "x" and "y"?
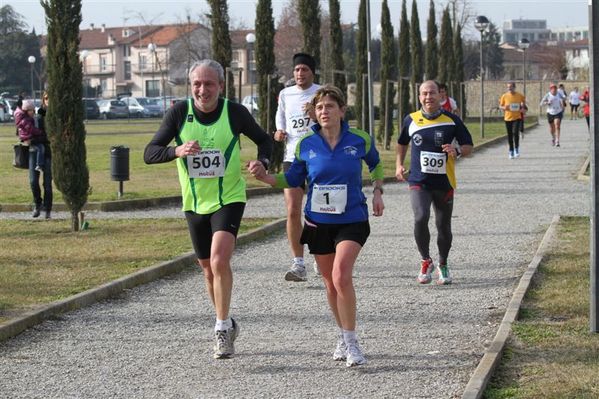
{"x": 291, "y": 117}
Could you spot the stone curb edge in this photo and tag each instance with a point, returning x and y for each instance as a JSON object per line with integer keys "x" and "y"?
{"x": 143, "y": 203}
{"x": 14, "y": 327}
{"x": 481, "y": 376}
{"x": 582, "y": 171}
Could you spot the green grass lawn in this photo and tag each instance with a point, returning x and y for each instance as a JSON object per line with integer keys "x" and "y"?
{"x": 146, "y": 181}
{"x": 44, "y": 261}
{"x": 551, "y": 354}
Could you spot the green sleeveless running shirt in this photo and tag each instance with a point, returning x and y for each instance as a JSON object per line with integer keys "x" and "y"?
{"x": 209, "y": 194}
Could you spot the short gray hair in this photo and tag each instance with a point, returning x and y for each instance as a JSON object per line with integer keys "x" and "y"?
{"x": 215, "y": 66}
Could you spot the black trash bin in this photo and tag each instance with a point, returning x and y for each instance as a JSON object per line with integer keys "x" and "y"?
{"x": 119, "y": 163}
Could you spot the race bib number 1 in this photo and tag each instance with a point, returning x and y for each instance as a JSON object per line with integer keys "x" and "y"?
{"x": 206, "y": 164}
{"x": 433, "y": 162}
{"x": 330, "y": 198}
{"x": 514, "y": 107}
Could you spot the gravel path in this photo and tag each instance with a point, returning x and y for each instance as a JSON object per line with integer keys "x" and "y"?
{"x": 421, "y": 341}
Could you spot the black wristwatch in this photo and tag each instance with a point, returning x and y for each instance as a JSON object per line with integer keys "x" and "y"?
{"x": 378, "y": 188}
{"x": 265, "y": 162}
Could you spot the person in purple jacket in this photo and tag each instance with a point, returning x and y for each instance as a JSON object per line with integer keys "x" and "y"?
{"x": 31, "y": 132}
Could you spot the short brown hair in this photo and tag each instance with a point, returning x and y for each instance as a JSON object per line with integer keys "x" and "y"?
{"x": 329, "y": 90}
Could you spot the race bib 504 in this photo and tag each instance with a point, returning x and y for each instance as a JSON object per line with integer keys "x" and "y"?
{"x": 208, "y": 163}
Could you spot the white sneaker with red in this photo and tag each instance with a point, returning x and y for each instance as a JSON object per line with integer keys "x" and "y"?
{"x": 426, "y": 270}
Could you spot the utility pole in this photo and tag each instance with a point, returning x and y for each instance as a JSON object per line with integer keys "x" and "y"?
{"x": 594, "y": 120}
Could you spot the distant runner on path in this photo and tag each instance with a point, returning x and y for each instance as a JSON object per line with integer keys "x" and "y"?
{"x": 437, "y": 138}
{"x": 513, "y": 105}
{"x": 207, "y": 129}
{"x": 555, "y": 103}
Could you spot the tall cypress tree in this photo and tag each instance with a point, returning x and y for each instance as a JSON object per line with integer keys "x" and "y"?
{"x": 404, "y": 61}
{"x": 416, "y": 46}
{"x": 388, "y": 72}
{"x": 445, "y": 49}
{"x": 64, "y": 120}
{"x": 361, "y": 67}
{"x": 337, "y": 45}
{"x": 265, "y": 69}
{"x": 458, "y": 65}
{"x": 221, "y": 40}
{"x": 309, "y": 12}
{"x": 430, "y": 63}
{"x": 492, "y": 53}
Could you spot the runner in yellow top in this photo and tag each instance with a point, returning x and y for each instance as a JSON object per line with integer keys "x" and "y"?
{"x": 513, "y": 103}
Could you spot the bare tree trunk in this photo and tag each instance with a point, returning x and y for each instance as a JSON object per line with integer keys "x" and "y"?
{"x": 74, "y": 221}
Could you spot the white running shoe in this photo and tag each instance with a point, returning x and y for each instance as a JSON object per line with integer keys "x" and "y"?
{"x": 224, "y": 347}
{"x": 296, "y": 273}
{"x": 354, "y": 355}
{"x": 341, "y": 350}
{"x": 426, "y": 269}
{"x": 444, "y": 276}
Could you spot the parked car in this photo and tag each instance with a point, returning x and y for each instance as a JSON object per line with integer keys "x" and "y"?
{"x": 5, "y": 112}
{"x": 162, "y": 101}
{"x": 143, "y": 106}
{"x": 91, "y": 109}
{"x": 152, "y": 105}
{"x": 8, "y": 106}
{"x": 136, "y": 110}
{"x": 251, "y": 103}
{"x": 110, "y": 109}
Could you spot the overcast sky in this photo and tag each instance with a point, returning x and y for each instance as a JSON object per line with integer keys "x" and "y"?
{"x": 131, "y": 12}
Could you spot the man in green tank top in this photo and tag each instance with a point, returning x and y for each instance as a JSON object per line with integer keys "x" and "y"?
{"x": 206, "y": 130}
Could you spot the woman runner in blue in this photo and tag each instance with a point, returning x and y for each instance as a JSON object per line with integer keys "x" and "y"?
{"x": 336, "y": 214}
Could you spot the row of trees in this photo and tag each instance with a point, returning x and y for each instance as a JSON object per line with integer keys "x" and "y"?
{"x": 64, "y": 74}
{"x": 405, "y": 59}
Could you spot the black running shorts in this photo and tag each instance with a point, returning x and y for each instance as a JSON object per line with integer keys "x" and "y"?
{"x": 551, "y": 118}
{"x": 322, "y": 239}
{"x": 201, "y": 227}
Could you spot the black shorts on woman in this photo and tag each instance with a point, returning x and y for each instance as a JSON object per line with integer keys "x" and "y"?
{"x": 322, "y": 238}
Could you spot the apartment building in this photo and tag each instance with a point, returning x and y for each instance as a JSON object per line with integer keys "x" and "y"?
{"x": 146, "y": 61}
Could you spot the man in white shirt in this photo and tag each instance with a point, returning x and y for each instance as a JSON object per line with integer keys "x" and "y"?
{"x": 574, "y": 100}
{"x": 555, "y": 102}
{"x": 293, "y": 121}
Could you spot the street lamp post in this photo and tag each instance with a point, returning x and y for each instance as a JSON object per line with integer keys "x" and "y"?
{"x": 31, "y": 61}
{"x": 250, "y": 38}
{"x": 481, "y": 24}
{"x": 152, "y": 50}
{"x": 524, "y": 44}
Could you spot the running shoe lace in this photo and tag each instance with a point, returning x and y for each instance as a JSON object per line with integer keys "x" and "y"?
{"x": 221, "y": 338}
{"x": 425, "y": 266}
